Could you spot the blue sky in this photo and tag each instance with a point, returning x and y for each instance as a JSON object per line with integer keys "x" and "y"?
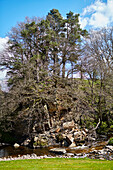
{"x": 13, "y": 11}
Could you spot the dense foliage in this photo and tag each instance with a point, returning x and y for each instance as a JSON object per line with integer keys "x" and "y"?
{"x": 43, "y": 56}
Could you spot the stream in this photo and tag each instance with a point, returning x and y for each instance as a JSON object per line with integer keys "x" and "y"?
{"x": 7, "y": 151}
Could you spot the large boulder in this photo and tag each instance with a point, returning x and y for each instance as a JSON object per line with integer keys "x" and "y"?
{"x": 109, "y": 147}
{"x": 58, "y": 150}
{"x": 68, "y": 125}
{"x": 69, "y": 139}
{"x": 16, "y": 145}
{"x": 26, "y": 142}
{"x": 72, "y": 145}
{"x": 40, "y": 141}
{"x": 80, "y": 135}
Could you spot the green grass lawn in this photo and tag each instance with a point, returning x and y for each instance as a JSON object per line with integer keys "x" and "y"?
{"x": 57, "y": 163}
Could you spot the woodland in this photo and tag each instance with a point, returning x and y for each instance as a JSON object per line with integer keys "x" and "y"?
{"x": 57, "y": 71}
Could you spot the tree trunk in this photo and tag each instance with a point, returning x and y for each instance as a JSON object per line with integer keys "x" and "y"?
{"x": 63, "y": 67}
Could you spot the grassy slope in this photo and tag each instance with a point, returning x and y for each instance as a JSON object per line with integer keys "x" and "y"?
{"x": 57, "y": 163}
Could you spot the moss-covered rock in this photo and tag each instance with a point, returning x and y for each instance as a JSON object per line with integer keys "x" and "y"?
{"x": 40, "y": 143}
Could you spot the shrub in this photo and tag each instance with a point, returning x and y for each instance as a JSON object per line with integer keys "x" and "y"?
{"x": 111, "y": 127}
{"x": 110, "y": 141}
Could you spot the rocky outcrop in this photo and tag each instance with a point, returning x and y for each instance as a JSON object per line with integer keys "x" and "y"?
{"x": 68, "y": 134}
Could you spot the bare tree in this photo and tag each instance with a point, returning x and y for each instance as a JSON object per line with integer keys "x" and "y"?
{"x": 97, "y": 65}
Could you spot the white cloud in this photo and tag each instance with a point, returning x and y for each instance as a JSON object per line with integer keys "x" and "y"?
{"x": 3, "y": 46}
{"x": 3, "y": 74}
{"x": 98, "y": 20}
{"x": 3, "y": 42}
{"x": 97, "y": 6}
{"x": 98, "y": 14}
{"x": 83, "y": 22}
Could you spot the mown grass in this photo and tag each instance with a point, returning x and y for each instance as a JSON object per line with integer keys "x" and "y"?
{"x": 57, "y": 163}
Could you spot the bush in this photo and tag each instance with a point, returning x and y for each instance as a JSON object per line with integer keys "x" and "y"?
{"x": 103, "y": 129}
{"x": 7, "y": 137}
{"x": 110, "y": 141}
{"x": 111, "y": 127}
